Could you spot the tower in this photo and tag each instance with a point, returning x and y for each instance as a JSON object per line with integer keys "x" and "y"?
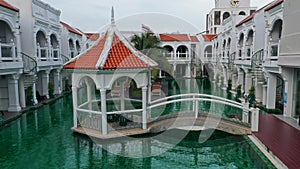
{"x": 225, "y": 9}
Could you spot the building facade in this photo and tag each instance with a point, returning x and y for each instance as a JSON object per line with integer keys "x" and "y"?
{"x": 248, "y": 51}
{"x": 31, "y": 55}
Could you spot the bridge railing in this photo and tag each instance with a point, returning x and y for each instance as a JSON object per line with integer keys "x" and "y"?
{"x": 89, "y": 114}
{"x": 248, "y": 115}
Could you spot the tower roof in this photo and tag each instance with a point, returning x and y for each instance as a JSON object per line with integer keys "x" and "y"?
{"x": 112, "y": 51}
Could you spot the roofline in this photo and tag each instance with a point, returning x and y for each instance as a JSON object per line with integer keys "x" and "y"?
{"x": 9, "y": 6}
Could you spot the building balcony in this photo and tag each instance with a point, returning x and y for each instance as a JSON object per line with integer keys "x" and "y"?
{"x": 178, "y": 56}
{"x": 8, "y": 52}
{"x": 273, "y": 51}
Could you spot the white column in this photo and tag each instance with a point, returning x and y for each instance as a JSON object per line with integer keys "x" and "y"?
{"x": 174, "y": 70}
{"x": 75, "y": 104}
{"x": 245, "y": 117}
{"x": 122, "y": 96}
{"x": 18, "y": 43}
{"x": 271, "y": 91}
{"x": 241, "y": 79}
{"x": 233, "y": 82}
{"x": 13, "y": 92}
{"x": 254, "y": 119}
{"x": 248, "y": 82}
{"x": 57, "y": 82}
{"x": 264, "y": 99}
{"x": 22, "y": 92}
{"x": 45, "y": 81}
{"x": 34, "y": 93}
{"x": 286, "y": 99}
{"x": 103, "y": 111}
{"x": 144, "y": 114}
{"x": 188, "y": 71}
{"x": 89, "y": 94}
{"x": 258, "y": 92}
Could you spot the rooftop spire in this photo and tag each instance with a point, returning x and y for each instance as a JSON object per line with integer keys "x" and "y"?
{"x": 112, "y": 16}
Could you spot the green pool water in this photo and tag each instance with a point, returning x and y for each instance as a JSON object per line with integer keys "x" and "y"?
{"x": 43, "y": 139}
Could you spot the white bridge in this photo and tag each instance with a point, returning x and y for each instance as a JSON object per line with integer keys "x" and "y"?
{"x": 151, "y": 117}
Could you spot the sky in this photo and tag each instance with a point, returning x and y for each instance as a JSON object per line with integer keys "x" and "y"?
{"x": 185, "y": 16}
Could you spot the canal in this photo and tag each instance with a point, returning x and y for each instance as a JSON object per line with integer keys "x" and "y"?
{"x": 43, "y": 139}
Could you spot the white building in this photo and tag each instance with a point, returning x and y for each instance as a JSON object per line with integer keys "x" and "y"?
{"x": 33, "y": 43}
{"x": 182, "y": 50}
{"x": 246, "y": 49}
{"x": 289, "y": 58}
{"x": 11, "y": 63}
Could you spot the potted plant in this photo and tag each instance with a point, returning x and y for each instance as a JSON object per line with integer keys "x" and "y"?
{"x": 251, "y": 95}
{"x": 229, "y": 84}
{"x": 29, "y": 96}
{"x": 51, "y": 89}
{"x": 238, "y": 91}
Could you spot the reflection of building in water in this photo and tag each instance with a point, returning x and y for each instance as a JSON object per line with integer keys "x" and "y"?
{"x": 188, "y": 152}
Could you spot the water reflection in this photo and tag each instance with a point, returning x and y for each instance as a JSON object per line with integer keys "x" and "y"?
{"x": 43, "y": 139}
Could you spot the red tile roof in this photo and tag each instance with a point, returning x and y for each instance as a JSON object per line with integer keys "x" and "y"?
{"x": 208, "y": 37}
{"x": 70, "y": 28}
{"x": 90, "y": 58}
{"x": 174, "y": 37}
{"x": 194, "y": 39}
{"x": 8, "y": 6}
{"x": 276, "y": 3}
{"x": 112, "y": 51}
{"x": 120, "y": 57}
{"x": 93, "y": 36}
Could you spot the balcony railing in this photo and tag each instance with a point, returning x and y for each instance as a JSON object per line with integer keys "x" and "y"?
{"x": 273, "y": 51}
{"x": 7, "y": 52}
{"x": 178, "y": 56}
{"x": 55, "y": 54}
{"x": 72, "y": 53}
{"x": 42, "y": 53}
{"x": 249, "y": 51}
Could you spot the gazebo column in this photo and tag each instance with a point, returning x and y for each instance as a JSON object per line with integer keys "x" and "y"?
{"x": 75, "y": 104}
{"x": 144, "y": 114}
{"x": 103, "y": 110}
{"x": 89, "y": 94}
{"x": 122, "y": 96}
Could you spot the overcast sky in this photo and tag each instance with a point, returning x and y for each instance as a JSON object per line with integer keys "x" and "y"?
{"x": 160, "y": 15}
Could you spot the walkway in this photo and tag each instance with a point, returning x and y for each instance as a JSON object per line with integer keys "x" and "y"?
{"x": 281, "y": 139}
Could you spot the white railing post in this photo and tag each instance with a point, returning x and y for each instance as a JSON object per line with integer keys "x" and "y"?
{"x": 103, "y": 110}
{"x": 254, "y": 119}
{"x": 196, "y": 108}
{"x": 245, "y": 117}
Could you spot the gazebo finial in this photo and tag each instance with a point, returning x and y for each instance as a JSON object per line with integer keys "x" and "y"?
{"x": 112, "y": 16}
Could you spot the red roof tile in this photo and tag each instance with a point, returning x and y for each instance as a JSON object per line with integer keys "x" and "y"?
{"x": 71, "y": 29}
{"x": 208, "y": 37}
{"x": 8, "y": 6}
{"x": 174, "y": 37}
{"x": 93, "y": 36}
{"x": 113, "y": 52}
{"x": 120, "y": 57}
{"x": 89, "y": 59}
{"x": 276, "y": 3}
{"x": 194, "y": 39}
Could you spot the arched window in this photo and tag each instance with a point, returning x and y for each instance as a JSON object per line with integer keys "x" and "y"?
{"x": 242, "y": 13}
{"x": 226, "y": 15}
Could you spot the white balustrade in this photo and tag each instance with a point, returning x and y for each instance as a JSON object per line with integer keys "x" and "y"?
{"x": 7, "y": 52}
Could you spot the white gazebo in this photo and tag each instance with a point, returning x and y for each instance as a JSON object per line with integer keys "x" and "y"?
{"x": 112, "y": 66}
